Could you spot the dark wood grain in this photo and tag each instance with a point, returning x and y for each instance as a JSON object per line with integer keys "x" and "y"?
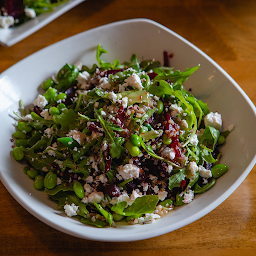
{"x": 225, "y": 30}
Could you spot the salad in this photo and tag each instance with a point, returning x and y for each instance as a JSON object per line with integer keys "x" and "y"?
{"x": 16, "y": 12}
{"x": 119, "y": 142}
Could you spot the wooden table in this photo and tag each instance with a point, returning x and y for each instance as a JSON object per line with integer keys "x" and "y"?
{"x": 226, "y": 31}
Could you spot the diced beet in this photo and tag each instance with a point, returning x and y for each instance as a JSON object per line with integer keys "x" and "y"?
{"x": 112, "y": 72}
{"x": 94, "y": 127}
{"x": 183, "y": 184}
{"x": 37, "y": 110}
{"x": 13, "y": 8}
{"x": 111, "y": 190}
{"x": 152, "y": 75}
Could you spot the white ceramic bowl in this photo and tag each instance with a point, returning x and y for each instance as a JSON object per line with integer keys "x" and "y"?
{"x": 148, "y": 40}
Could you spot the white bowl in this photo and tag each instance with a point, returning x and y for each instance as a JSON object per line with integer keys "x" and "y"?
{"x": 148, "y": 40}
{"x": 11, "y": 36}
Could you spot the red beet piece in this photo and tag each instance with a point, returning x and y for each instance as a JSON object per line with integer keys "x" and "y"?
{"x": 13, "y": 8}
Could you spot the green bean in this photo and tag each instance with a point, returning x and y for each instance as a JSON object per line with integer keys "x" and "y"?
{"x": 218, "y": 170}
{"x": 21, "y": 142}
{"x": 19, "y": 135}
{"x": 39, "y": 182}
{"x": 200, "y": 190}
{"x": 47, "y": 83}
{"x": 133, "y": 150}
{"x": 160, "y": 107}
{"x": 22, "y": 126}
{"x": 32, "y": 173}
{"x": 179, "y": 199}
{"x": 18, "y": 153}
{"x": 221, "y": 140}
{"x": 78, "y": 189}
{"x": 135, "y": 139}
{"x": 50, "y": 180}
{"x": 25, "y": 169}
{"x": 166, "y": 139}
{"x": 54, "y": 111}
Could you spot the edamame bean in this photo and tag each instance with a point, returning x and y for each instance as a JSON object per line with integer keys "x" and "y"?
{"x": 55, "y": 119}
{"x": 218, "y": 170}
{"x": 18, "y": 153}
{"x": 50, "y": 94}
{"x": 19, "y": 135}
{"x": 22, "y": 126}
{"x": 54, "y": 111}
{"x": 78, "y": 189}
{"x": 47, "y": 83}
{"x": 135, "y": 139}
{"x": 25, "y": 169}
{"x": 61, "y": 96}
{"x": 32, "y": 173}
{"x": 50, "y": 180}
{"x": 21, "y": 142}
{"x": 166, "y": 139}
{"x": 39, "y": 182}
{"x": 221, "y": 140}
{"x": 133, "y": 150}
{"x": 61, "y": 106}
{"x": 160, "y": 107}
{"x": 179, "y": 199}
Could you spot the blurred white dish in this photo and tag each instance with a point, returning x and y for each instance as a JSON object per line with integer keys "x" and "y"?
{"x": 11, "y": 36}
{"x": 147, "y": 39}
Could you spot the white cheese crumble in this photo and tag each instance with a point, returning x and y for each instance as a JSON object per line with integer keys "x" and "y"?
{"x": 78, "y": 136}
{"x": 133, "y": 81}
{"x": 188, "y": 197}
{"x": 6, "y": 21}
{"x": 204, "y": 172}
{"x": 45, "y": 114}
{"x": 193, "y": 168}
{"x": 30, "y": 13}
{"x": 71, "y": 210}
{"x": 83, "y": 80}
{"x": 128, "y": 171}
{"x": 213, "y": 120}
{"x": 94, "y": 196}
{"x": 194, "y": 140}
{"x": 175, "y": 110}
{"x": 168, "y": 153}
{"x": 40, "y": 101}
{"x": 28, "y": 117}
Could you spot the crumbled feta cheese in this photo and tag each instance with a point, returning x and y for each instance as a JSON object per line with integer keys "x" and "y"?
{"x": 28, "y": 117}
{"x": 71, "y": 210}
{"x": 193, "y": 168}
{"x": 204, "y": 172}
{"x": 88, "y": 189}
{"x": 128, "y": 171}
{"x": 194, "y": 140}
{"x": 104, "y": 84}
{"x": 175, "y": 110}
{"x": 83, "y": 80}
{"x": 102, "y": 178}
{"x": 168, "y": 153}
{"x": 44, "y": 169}
{"x": 124, "y": 102}
{"x": 133, "y": 81}
{"x": 213, "y": 120}
{"x": 149, "y": 218}
{"x": 112, "y": 96}
{"x": 40, "y": 101}
{"x": 188, "y": 197}
{"x": 45, "y": 114}
{"x": 162, "y": 194}
{"x": 30, "y": 13}
{"x": 6, "y": 21}
{"x": 156, "y": 189}
{"x": 96, "y": 197}
{"x": 183, "y": 124}
{"x": 51, "y": 153}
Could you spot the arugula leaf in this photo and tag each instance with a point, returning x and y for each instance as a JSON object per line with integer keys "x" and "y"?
{"x": 57, "y": 189}
{"x": 119, "y": 207}
{"x": 204, "y": 107}
{"x": 142, "y": 205}
{"x": 175, "y": 179}
{"x": 68, "y": 119}
{"x": 206, "y": 154}
{"x": 116, "y": 149}
{"x": 197, "y": 109}
{"x": 97, "y": 223}
{"x": 107, "y": 215}
{"x": 161, "y": 88}
{"x": 210, "y": 136}
{"x": 176, "y": 75}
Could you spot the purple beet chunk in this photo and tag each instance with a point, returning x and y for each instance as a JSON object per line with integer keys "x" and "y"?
{"x": 13, "y": 8}
{"x": 111, "y": 190}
